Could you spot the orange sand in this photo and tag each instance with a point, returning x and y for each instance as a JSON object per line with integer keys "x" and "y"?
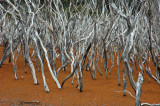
{"x": 95, "y": 92}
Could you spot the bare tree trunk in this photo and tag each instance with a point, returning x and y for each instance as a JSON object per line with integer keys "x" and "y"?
{"x": 77, "y": 64}
{"x": 124, "y": 82}
{"x": 46, "y": 56}
{"x": 138, "y": 90}
{"x": 93, "y": 52}
{"x": 10, "y": 58}
{"x": 63, "y": 59}
{"x": 12, "y": 55}
{"x": 157, "y": 68}
{"x": 28, "y": 60}
{"x": 112, "y": 59}
{"x": 136, "y": 67}
{"x": 132, "y": 64}
{"x": 98, "y": 67}
{"x": 154, "y": 60}
{"x": 41, "y": 64}
{"x": 93, "y": 64}
{"x": 119, "y": 82}
{"x": 105, "y": 58}
{"x": 80, "y": 78}
{"x": 32, "y": 70}
{"x": 129, "y": 44}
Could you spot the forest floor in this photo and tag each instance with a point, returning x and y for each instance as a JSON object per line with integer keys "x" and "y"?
{"x": 99, "y": 92}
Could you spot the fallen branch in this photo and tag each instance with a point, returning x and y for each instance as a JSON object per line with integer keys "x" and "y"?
{"x": 126, "y": 91}
{"x": 147, "y": 104}
{"x": 32, "y": 102}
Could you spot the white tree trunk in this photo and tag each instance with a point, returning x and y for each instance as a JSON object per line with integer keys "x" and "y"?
{"x": 41, "y": 64}
{"x": 48, "y": 63}
{"x": 138, "y": 90}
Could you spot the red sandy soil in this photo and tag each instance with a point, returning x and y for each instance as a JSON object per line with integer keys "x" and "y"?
{"x": 95, "y": 92}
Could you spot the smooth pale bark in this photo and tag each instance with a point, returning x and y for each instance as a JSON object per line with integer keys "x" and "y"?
{"x": 18, "y": 50}
{"x": 93, "y": 64}
{"x": 123, "y": 69}
{"x": 12, "y": 57}
{"x": 41, "y": 64}
{"x": 125, "y": 58}
{"x": 112, "y": 59}
{"x": 140, "y": 66}
{"x": 6, "y": 52}
{"x": 132, "y": 64}
{"x": 48, "y": 63}
{"x": 155, "y": 59}
{"x": 30, "y": 63}
{"x": 119, "y": 81}
{"x": 105, "y": 57}
{"x": 106, "y": 64}
{"x": 106, "y": 67}
{"x": 124, "y": 82}
{"x": 25, "y": 42}
{"x": 98, "y": 67}
{"x": 138, "y": 90}
{"x": 53, "y": 59}
{"x": 147, "y": 104}
{"x": 73, "y": 65}
{"x": 77, "y": 64}
{"x": 130, "y": 75}
{"x": 63, "y": 60}
{"x": 80, "y": 78}
{"x": 93, "y": 52}
{"x": 136, "y": 67}
{"x": 129, "y": 44}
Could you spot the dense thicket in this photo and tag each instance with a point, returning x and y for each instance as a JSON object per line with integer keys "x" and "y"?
{"x": 82, "y": 33}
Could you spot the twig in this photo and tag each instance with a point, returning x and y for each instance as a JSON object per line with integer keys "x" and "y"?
{"x": 126, "y": 91}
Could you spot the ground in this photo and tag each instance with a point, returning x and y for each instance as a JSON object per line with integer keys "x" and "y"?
{"x": 99, "y": 92}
